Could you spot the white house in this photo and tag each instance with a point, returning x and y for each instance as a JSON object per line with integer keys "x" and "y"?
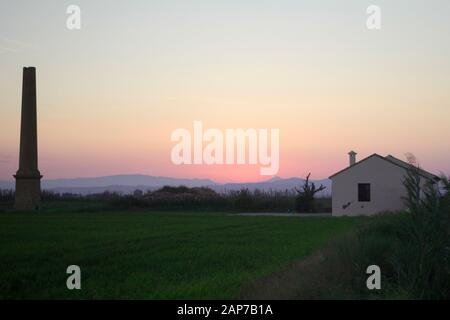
{"x": 372, "y": 185}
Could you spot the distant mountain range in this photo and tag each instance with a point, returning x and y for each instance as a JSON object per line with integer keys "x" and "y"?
{"x": 275, "y": 183}
{"x": 129, "y": 183}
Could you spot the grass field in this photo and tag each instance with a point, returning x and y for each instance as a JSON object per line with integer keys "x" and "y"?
{"x": 151, "y": 255}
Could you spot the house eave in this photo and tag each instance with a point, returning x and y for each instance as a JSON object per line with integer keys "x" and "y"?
{"x": 422, "y": 172}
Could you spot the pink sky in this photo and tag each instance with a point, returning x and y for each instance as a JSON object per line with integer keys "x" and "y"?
{"x": 110, "y": 94}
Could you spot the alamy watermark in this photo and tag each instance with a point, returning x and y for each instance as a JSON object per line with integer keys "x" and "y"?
{"x": 73, "y": 21}
{"x": 74, "y": 280}
{"x": 374, "y": 19}
{"x": 374, "y": 280}
{"x": 233, "y": 146}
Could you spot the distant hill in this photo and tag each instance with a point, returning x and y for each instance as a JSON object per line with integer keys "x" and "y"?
{"x": 120, "y": 183}
{"x": 129, "y": 183}
{"x": 276, "y": 183}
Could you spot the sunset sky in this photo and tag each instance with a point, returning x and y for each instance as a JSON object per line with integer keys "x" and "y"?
{"x": 110, "y": 94}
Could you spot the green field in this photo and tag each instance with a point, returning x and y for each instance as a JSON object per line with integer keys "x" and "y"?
{"x": 151, "y": 255}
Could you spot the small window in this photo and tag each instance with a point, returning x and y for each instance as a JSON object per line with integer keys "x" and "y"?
{"x": 363, "y": 192}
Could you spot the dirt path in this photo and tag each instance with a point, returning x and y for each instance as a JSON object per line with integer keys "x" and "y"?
{"x": 274, "y": 214}
{"x": 293, "y": 282}
{"x": 325, "y": 274}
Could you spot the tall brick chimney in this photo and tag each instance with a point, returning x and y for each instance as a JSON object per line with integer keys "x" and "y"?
{"x": 28, "y": 177}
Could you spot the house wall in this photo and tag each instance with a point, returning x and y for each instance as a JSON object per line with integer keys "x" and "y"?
{"x": 387, "y": 190}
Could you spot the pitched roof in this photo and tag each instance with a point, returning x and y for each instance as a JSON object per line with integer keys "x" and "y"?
{"x": 395, "y": 161}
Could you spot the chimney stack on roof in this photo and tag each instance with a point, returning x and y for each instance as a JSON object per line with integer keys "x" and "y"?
{"x": 352, "y": 157}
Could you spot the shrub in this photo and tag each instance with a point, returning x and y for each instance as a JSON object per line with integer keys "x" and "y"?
{"x": 244, "y": 200}
{"x": 6, "y": 196}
